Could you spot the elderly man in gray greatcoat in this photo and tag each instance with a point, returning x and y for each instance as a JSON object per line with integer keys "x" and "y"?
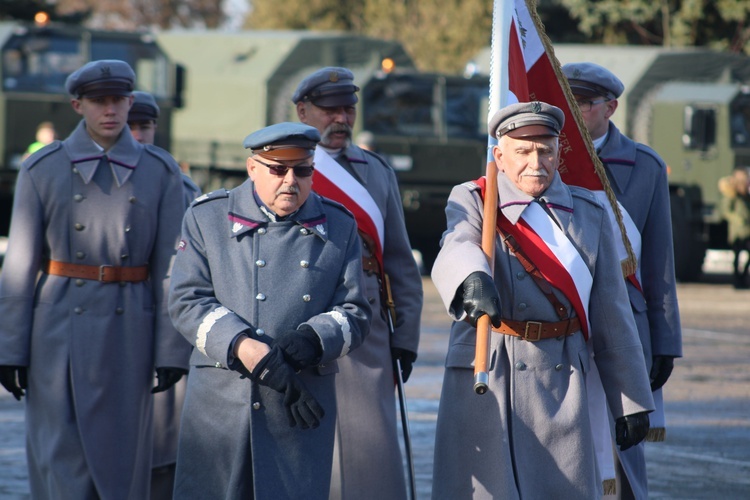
{"x": 83, "y": 290}
{"x": 638, "y": 177}
{"x": 559, "y": 282}
{"x": 367, "y": 461}
{"x": 268, "y": 287}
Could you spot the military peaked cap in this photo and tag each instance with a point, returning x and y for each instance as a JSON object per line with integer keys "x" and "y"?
{"x": 328, "y": 87}
{"x": 144, "y": 107}
{"x": 107, "y": 77}
{"x": 590, "y": 79}
{"x": 284, "y": 141}
{"x": 527, "y": 119}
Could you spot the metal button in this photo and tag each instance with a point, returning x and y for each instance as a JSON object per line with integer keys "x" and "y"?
{"x": 127, "y": 229}
{"x": 78, "y": 198}
{"x": 124, "y": 256}
{"x": 522, "y": 306}
{"x": 261, "y": 296}
{"x": 78, "y": 310}
{"x": 520, "y": 275}
{"x": 558, "y": 367}
{"x": 371, "y": 300}
{"x": 260, "y": 332}
{"x": 520, "y": 366}
{"x": 80, "y": 282}
{"x": 304, "y": 231}
{"x": 304, "y": 263}
{"x": 306, "y": 298}
{"x": 262, "y": 230}
{"x": 256, "y": 406}
{"x": 79, "y": 226}
{"x": 119, "y": 310}
{"x": 217, "y": 364}
{"x": 75, "y": 170}
{"x": 80, "y": 255}
{"x": 260, "y": 263}
{"x": 132, "y": 199}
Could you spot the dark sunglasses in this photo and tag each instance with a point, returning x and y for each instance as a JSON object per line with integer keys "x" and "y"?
{"x": 281, "y": 170}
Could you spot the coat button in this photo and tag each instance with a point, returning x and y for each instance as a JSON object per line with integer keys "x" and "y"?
{"x": 78, "y": 310}
{"x": 124, "y": 256}
{"x": 119, "y": 310}
{"x": 260, "y": 332}
{"x": 80, "y": 282}
{"x": 75, "y": 170}
{"x": 304, "y": 231}
{"x": 371, "y": 300}
{"x": 262, "y": 230}
{"x": 217, "y": 364}
{"x": 256, "y": 406}
{"x": 79, "y": 226}
{"x": 520, "y": 366}
{"x": 132, "y": 199}
{"x": 80, "y": 255}
{"x": 304, "y": 263}
{"x": 306, "y": 298}
{"x": 520, "y": 275}
{"x": 78, "y": 198}
{"x": 260, "y": 263}
{"x": 127, "y": 229}
{"x": 522, "y": 306}
{"x": 559, "y": 367}
{"x": 261, "y": 296}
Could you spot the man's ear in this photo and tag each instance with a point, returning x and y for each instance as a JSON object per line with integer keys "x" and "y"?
{"x": 76, "y": 104}
{"x": 302, "y": 112}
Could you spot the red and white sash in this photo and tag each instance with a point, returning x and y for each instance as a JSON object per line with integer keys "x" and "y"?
{"x": 333, "y": 181}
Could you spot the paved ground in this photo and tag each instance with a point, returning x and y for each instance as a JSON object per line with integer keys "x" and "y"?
{"x": 707, "y": 452}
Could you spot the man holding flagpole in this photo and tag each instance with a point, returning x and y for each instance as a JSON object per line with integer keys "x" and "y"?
{"x": 557, "y": 284}
{"x": 638, "y": 177}
{"x": 367, "y": 458}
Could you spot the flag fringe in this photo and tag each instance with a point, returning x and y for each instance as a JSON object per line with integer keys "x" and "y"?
{"x": 656, "y": 435}
{"x": 610, "y": 486}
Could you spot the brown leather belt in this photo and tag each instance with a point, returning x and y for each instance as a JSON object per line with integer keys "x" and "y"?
{"x": 105, "y": 274}
{"x": 370, "y": 265}
{"x": 536, "y": 330}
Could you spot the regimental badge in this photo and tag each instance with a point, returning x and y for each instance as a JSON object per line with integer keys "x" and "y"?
{"x": 105, "y": 71}
{"x": 333, "y": 76}
{"x": 319, "y": 228}
{"x": 536, "y": 107}
{"x": 577, "y": 74}
{"x": 237, "y": 227}
{"x": 182, "y": 245}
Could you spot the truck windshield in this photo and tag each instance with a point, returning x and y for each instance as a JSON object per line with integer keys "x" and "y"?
{"x": 39, "y": 62}
{"x": 740, "y": 122}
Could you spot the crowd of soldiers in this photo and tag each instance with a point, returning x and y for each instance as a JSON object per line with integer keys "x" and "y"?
{"x": 245, "y": 343}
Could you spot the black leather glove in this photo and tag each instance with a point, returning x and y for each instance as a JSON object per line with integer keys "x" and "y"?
{"x": 166, "y": 377}
{"x": 631, "y": 429}
{"x": 13, "y": 379}
{"x": 479, "y": 296}
{"x": 661, "y": 369}
{"x": 301, "y": 347}
{"x": 274, "y": 372}
{"x": 407, "y": 359}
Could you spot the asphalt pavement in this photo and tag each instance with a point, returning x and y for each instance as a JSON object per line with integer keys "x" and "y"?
{"x": 706, "y": 454}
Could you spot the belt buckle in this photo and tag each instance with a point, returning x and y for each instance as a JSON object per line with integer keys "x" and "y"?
{"x": 538, "y": 325}
{"x": 102, "y": 270}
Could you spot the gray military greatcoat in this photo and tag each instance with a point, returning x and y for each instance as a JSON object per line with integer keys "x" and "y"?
{"x": 368, "y": 463}
{"x": 236, "y": 271}
{"x": 530, "y": 435}
{"x": 91, "y": 347}
{"x": 639, "y": 180}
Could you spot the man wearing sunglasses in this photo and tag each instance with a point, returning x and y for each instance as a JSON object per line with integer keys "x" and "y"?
{"x": 367, "y": 462}
{"x": 267, "y": 285}
{"x": 639, "y": 180}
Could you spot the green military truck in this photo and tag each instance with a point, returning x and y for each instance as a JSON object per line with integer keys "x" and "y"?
{"x": 431, "y": 128}
{"x": 692, "y": 106}
{"x": 36, "y": 60}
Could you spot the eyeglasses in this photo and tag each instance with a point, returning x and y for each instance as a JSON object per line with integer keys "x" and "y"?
{"x": 281, "y": 170}
{"x": 586, "y": 105}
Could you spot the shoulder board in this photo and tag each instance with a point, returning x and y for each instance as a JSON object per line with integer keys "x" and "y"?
{"x": 335, "y": 204}
{"x": 471, "y": 185}
{"x": 213, "y": 195}
{"x": 585, "y": 194}
{"x": 41, "y": 153}
{"x": 163, "y": 155}
{"x": 379, "y": 158}
{"x": 642, "y": 148}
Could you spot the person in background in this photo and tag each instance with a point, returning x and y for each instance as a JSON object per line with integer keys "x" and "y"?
{"x": 45, "y": 134}
{"x": 556, "y": 281}
{"x": 267, "y": 285}
{"x": 367, "y": 461}
{"x": 94, "y": 229}
{"x": 735, "y": 209}
{"x": 638, "y": 177}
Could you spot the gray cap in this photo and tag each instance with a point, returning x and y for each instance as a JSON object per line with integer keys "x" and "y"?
{"x": 328, "y": 87}
{"x": 284, "y": 141}
{"x": 527, "y": 119}
{"x": 144, "y": 107}
{"x": 592, "y": 80}
{"x": 101, "y": 78}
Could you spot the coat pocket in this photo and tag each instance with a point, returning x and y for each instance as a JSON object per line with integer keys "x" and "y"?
{"x": 460, "y": 356}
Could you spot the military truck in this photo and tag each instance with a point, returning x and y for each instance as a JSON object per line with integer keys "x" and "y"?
{"x": 692, "y": 106}
{"x": 431, "y": 127}
{"x": 36, "y": 60}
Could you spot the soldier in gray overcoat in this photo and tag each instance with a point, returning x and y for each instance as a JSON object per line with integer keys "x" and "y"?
{"x": 267, "y": 285}
{"x": 83, "y": 289}
{"x": 530, "y": 435}
{"x": 367, "y": 462}
{"x": 638, "y": 177}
